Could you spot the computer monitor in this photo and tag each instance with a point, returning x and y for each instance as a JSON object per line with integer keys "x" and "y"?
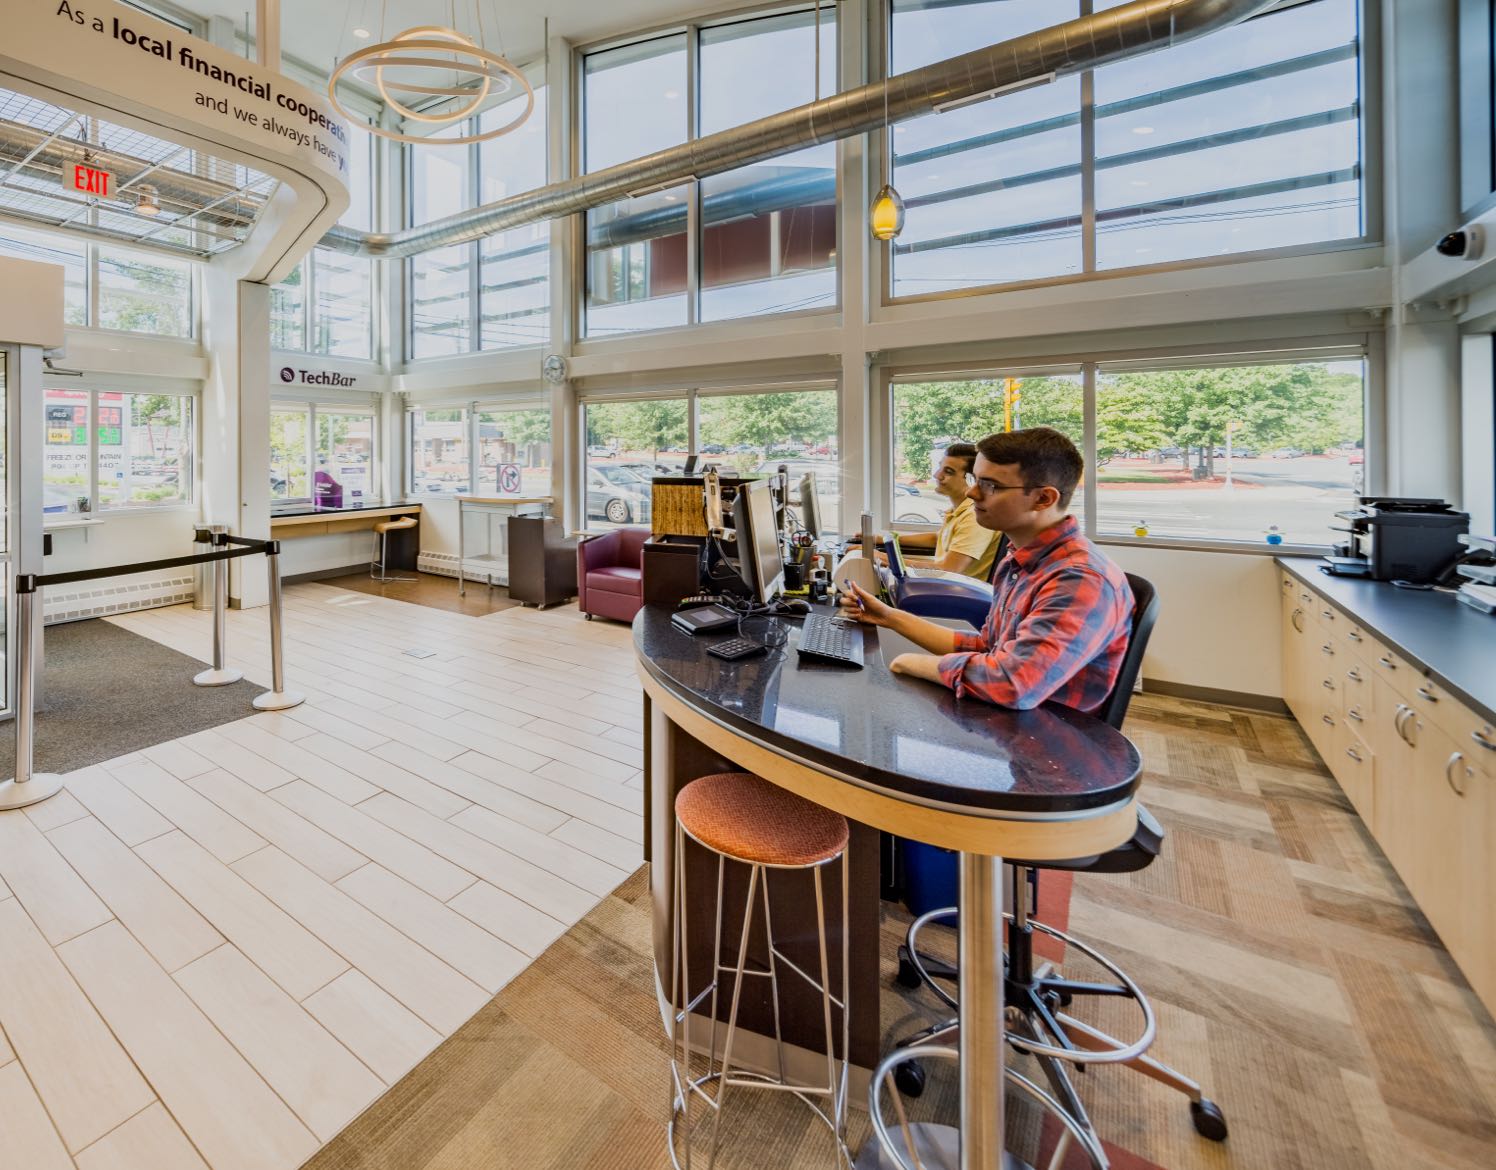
{"x": 760, "y": 561}
{"x": 810, "y": 506}
{"x": 690, "y": 468}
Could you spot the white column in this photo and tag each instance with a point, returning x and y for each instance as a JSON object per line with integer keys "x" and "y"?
{"x": 268, "y": 33}
{"x": 1420, "y": 123}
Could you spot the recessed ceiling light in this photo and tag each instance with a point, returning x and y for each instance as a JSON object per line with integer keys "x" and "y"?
{"x": 671, "y": 198}
{"x": 671, "y": 94}
{"x": 1140, "y": 182}
{"x": 1142, "y": 129}
{"x": 362, "y": 34}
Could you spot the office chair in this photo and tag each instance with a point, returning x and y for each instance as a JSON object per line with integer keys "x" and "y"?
{"x": 1035, "y": 996}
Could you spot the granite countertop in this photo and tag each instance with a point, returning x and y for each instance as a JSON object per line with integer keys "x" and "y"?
{"x": 1446, "y": 639}
{"x": 890, "y": 732}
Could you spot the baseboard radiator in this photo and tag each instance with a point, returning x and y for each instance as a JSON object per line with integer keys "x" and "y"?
{"x": 101, "y": 599}
{"x": 442, "y": 564}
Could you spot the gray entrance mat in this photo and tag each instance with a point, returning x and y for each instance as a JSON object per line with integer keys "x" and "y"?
{"x": 106, "y": 691}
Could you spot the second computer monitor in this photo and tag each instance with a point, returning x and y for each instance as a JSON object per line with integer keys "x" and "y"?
{"x": 810, "y": 505}
{"x": 760, "y": 560}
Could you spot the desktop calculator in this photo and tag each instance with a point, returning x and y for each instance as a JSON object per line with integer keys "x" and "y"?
{"x": 735, "y": 648}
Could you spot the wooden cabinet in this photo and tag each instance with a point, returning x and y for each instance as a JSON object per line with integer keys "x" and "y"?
{"x": 1418, "y": 765}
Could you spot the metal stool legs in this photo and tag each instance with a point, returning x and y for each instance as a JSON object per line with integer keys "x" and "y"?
{"x": 381, "y": 540}
{"x": 685, "y": 1084}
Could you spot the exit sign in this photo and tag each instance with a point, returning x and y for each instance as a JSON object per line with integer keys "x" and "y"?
{"x": 92, "y": 181}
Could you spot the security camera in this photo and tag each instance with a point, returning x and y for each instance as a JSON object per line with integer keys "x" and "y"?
{"x": 1465, "y": 244}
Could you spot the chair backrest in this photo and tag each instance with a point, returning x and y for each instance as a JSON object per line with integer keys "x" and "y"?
{"x": 1144, "y": 615}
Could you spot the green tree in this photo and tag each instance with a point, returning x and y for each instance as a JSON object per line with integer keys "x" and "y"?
{"x": 638, "y": 426}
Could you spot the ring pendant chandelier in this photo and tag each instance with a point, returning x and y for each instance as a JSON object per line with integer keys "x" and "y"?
{"x": 415, "y": 63}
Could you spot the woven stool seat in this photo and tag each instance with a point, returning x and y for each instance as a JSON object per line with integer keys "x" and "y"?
{"x": 396, "y": 524}
{"x": 745, "y": 817}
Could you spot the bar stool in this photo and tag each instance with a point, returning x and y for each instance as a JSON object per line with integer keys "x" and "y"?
{"x": 742, "y": 817}
{"x": 382, "y": 531}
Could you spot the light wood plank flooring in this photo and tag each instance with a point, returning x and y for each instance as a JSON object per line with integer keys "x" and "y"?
{"x": 218, "y": 951}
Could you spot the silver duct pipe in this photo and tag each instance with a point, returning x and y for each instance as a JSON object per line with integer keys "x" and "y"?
{"x": 1032, "y": 59}
{"x": 30, "y": 153}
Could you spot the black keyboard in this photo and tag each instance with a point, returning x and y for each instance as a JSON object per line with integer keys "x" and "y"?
{"x": 831, "y": 640}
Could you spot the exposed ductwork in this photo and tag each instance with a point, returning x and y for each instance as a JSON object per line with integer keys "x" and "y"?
{"x": 1032, "y": 59}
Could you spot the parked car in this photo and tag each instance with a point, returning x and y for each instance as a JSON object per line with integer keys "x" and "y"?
{"x": 617, "y": 495}
{"x": 1287, "y": 453}
{"x": 713, "y": 449}
{"x": 743, "y": 449}
{"x": 598, "y": 451}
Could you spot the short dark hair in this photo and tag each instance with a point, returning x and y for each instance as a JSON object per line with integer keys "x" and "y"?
{"x": 966, "y": 451}
{"x": 1044, "y": 456}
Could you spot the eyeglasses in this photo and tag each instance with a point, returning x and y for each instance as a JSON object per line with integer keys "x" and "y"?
{"x": 990, "y": 487}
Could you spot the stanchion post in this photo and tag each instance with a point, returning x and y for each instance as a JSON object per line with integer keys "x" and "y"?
{"x": 277, "y": 698}
{"x": 219, "y": 675}
{"x": 27, "y": 787}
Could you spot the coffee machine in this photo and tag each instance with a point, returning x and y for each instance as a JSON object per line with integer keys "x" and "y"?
{"x": 1392, "y": 538}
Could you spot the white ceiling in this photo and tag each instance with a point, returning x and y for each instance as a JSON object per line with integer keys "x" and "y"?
{"x": 318, "y": 32}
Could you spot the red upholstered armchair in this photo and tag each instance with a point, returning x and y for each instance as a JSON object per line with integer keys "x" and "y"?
{"x": 610, "y": 573}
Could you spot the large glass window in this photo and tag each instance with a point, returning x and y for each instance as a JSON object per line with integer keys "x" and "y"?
{"x": 992, "y": 191}
{"x": 635, "y": 102}
{"x": 105, "y": 449}
{"x": 768, "y": 241}
{"x": 290, "y": 457}
{"x": 1230, "y": 452}
{"x": 1254, "y": 142}
{"x": 65, "y": 455}
{"x": 23, "y": 245}
{"x": 493, "y": 294}
{"x": 346, "y": 465}
{"x": 144, "y": 294}
{"x": 627, "y": 442}
{"x": 515, "y": 440}
{"x": 145, "y": 450}
{"x": 514, "y": 265}
{"x": 930, "y": 415}
{"x": 756, "y": 434}
{"x": 326, "y": 305}
{"x": 1244, "y": 140}
{"x": 439, "y": 451}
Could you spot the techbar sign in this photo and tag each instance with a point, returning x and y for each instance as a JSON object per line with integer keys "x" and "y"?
{"x": 316, "y": 377}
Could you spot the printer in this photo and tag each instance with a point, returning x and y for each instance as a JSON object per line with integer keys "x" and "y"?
{"x": 1394, "y": 538}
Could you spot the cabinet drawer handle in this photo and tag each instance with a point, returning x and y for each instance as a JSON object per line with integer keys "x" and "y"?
{"x": 1297, "y": 620}
{"x": 1387, "y": 662}
{"x": 1403, "y": 711}
{"x": 1354, "y": 675}
{"x": 1354, "y": 754}
{"x": 1304, "y": 597}
{"x": 1483, "y": 738}
{"x": 1328, "y": 684}
{"x": 1327, "y": 614}
{"x": 1449, "y": 771}
{"x": 1328, "y": 649}
{"x": 1425, "y": 693}
{"x": 1353, "y": 636}
{"x": 1328, "y": 720}
{"x": 1355, "y": 713}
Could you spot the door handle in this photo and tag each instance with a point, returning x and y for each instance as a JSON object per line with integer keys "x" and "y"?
{"x": 1296, "y": 619}
{"x": 1403, "y": 711}
{"x": 1449, "y": 772}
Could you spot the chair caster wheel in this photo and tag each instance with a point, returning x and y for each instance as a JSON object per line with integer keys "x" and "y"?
{"x": 587, "y": 616}
{"x": 908, "y": 975}
{"x": 1209, "y": 1121}
{"x": 909, "y": 1078}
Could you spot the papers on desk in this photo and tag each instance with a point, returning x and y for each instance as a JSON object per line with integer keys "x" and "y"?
{"x": 1478, "y": 596}
{"x": 1478, "y": 590}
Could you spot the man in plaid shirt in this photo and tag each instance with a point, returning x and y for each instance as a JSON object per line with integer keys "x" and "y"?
{"x": 1061, "y": 612}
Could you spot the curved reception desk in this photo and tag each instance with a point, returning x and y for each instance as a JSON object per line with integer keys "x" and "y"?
{"x": 890, "y": 753}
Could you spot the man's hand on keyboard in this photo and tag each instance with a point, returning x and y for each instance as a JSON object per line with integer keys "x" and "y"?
{"x": 857, "y": 603}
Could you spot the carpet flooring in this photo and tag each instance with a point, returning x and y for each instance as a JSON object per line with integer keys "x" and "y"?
{"x": 430, "y": 590}
{"x": 1291, "y": 973}
{"x": 106, "y": 692}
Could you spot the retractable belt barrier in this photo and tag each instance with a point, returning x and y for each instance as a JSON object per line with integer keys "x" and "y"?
{"x": 29, "y": 787}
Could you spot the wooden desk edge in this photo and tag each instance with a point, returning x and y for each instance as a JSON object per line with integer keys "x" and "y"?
{"x": 330, "y": 517}
{"x": 1034, "y": 840}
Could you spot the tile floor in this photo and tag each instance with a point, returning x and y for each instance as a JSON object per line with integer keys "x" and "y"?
{"x": 290, "y": 911}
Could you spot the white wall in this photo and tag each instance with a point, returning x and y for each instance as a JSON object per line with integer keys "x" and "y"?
{"x": 1218, "y": 621}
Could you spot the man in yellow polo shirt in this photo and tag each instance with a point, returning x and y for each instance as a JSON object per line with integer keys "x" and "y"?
{"x": 961, "y": 545}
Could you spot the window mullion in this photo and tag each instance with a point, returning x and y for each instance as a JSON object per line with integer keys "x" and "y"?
{"x": 1090, "y": 490}
{"x": 693, "y": 195}
{"x": 93, "y": 452}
